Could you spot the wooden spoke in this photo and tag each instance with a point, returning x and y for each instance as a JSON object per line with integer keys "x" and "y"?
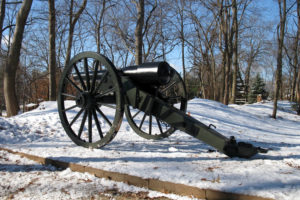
{"x": 159, "y": 126}
{"x": 136, "y": 114}
{"x": 150, "y": 124}
{"x": 82, "y": 124}
{"x": 141, "y": 124}
{"x": 97, "y": 124}
{"x": 70, "y": 108}
{"x": 76, "y": 117}
{"x": 104, "y": 117}
{"x": 95, "y": 76}
{"x": 72, "y": 83}
{"x": 90, "y": 130}
{"x": 106, "y": 92}
{"x": 79, "y": 76}
{"x": 68, "y": 95}
{"x": 87, "y": 73}
{"x": 108, "y": 105}
{"x": 101, "y": 81}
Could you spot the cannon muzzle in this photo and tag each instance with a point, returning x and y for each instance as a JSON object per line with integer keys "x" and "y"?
{"x": 153, "y": 73}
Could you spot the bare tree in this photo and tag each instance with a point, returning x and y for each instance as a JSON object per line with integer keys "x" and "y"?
{"x": 73, "y": 18}
{"x": 2, "y": 16}
{"x": 237, "y": 6}
{"x": 138, "y": 33}
{"x": 298, "y": 39}
{"x": 52, "y": 51}
{"x": 180, "y": 6}
{"x": 96, "y": 18}
{"x": 255, "y": 49}
{"x": 161, "y": 36}
{"x": 11, "y": 66}
{"x": 235, "y": 30}
{"x": 226, "y": 38}
{"x": 291, "y": 51}
{"x": 280, "y": 38}
{"x": 205, "y": 41}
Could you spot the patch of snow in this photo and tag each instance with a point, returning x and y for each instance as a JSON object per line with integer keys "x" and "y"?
{"x": 24, "y": 179}
{"x": 31, "y": 105}
{"x": 180, "y": 158}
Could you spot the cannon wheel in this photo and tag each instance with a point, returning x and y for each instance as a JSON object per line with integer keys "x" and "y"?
{"x": 90, "y": 102}
{"x": 149, "y": 126}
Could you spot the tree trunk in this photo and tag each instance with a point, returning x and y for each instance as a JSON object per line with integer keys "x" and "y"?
{"x": 227, "y": 36}
{"x": 98, "y": 26}
{"x": 52, "y": 51}
{"x": 182, "y": 38}
{"x": 182, "y": 57}
{"x": 72, "y": 22}
{"x": 70, "y": 35}
{"x": 294, "y": 81}
{"x": 235, "y": 51}
{"x": 227, "y": 57}
{"x": 213, "y": 65}
{"x": 13, "y": 59}
{"x": 222, "y": 88}
{"x": 281, "y": 29}
{"x": 162, "y": 36}
{"x": 2, "y": 17}
{"x": 298, "y": 39}
{"x": 138, "y": 33}
{"x": 221, "y": 26}
{"x": 227, "y": 77}
{"x": 200, "y": 77}
{"x": 247, "y": 77}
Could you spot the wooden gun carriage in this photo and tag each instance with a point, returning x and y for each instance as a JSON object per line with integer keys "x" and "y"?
{"x": 94, "y": 94}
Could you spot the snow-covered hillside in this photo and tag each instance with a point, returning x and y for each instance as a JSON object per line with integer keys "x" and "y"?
{"x": 180, "y": 158}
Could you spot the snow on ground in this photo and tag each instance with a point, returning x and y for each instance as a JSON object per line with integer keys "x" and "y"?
{"x": 25, "y": 179}
{"x": 180, "y": 158}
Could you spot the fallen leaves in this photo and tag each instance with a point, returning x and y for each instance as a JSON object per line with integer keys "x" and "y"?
{"x": 293, "y": 165}
{"x": 211, "y": 169}
{"x": 215, "y": 180}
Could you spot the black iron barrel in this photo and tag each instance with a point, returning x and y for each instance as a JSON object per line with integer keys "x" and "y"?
{"x": 152, "y": 73}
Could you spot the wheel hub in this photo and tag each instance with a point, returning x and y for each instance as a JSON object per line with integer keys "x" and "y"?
{"x": 86, "y": 100}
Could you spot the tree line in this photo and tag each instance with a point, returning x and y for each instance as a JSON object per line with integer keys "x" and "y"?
{"x": 221, "y": 44}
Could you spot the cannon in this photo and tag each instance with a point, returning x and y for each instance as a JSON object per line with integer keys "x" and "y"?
{"x": 93, "y": 96}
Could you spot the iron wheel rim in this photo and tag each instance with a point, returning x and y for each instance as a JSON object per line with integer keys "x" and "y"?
{"x": 163, "y": 130}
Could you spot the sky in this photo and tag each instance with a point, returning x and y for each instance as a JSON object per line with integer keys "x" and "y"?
{"x": 270, "y": 13}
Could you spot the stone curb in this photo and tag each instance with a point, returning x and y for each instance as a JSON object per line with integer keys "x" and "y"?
{"x": 151, "y": 184}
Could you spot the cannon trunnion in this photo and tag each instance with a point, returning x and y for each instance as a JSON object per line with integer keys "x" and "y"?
{"x": 93, "y": 96}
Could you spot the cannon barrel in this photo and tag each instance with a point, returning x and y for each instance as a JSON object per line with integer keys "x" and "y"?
{"x": 152, "y": 73}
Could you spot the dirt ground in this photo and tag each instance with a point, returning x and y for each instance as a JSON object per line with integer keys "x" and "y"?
{"x": 109, "y": 195}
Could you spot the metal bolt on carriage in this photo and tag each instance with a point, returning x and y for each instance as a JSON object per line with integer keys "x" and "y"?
{"x": 94, "y": 94}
